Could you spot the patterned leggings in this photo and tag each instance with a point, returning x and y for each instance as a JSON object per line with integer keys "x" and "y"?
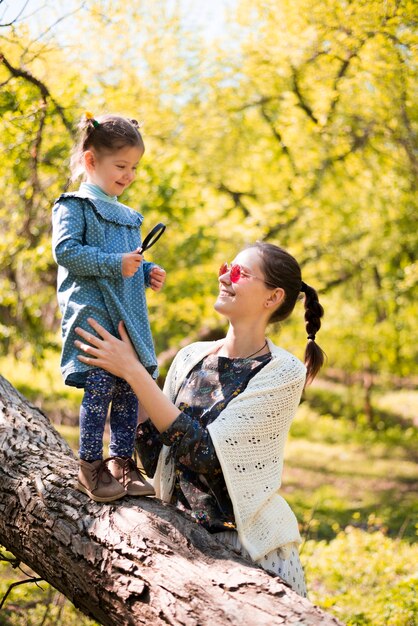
{"x": 101, "y": 390}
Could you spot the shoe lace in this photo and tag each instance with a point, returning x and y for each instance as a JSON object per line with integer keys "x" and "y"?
{"x": 128, "y": 466}
{"x": 102, "y": 473}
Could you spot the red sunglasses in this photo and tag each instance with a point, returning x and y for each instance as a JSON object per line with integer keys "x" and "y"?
{"x": 236, "y": 272}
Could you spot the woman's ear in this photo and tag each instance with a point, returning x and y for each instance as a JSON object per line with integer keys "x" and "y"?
{"x": 275, "y": 298}
{"x": 89, "y": 160}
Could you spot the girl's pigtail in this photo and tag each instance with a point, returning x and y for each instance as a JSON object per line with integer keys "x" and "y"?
{"x": 314, "y": 355}
{"x": 90, "y": 121}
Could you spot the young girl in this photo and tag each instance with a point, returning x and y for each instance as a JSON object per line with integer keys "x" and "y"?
{"x": 102, "y": 274}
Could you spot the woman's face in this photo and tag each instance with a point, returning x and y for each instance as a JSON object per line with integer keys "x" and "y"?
{"x": 249, "y": 298}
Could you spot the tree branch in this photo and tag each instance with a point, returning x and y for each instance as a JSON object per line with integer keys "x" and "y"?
{"x": 17, "y": 16}
{"x": 279, "y": 138}
{"x": 16, "y": 584}
{"x": 136, "y": 561}
{"x": 301, "y": 100}
{"x": 237, "y": 197}
{"x": 45, "y": 93}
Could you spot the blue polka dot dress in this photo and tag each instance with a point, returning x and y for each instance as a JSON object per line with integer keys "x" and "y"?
{"x": 90, "y": 235}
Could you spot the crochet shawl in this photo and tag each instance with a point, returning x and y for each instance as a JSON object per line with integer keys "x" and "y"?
{"x": 249, "y": 437}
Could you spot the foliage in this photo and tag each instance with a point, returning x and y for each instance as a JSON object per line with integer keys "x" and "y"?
{"x": 297, "y": 126}
{"x": 364, "y": 578}
{"x": 33, "y": 604}
{"x": 339, "y": 472}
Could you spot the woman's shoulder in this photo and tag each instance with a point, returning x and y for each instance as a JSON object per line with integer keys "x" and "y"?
{"x": 283, "y": 360}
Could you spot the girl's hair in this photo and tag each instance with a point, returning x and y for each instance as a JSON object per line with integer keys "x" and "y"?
{"x": 106, "y": 134}
{"x": 282, "y": 270}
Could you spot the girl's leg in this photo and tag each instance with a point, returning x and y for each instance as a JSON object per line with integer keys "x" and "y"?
{"x": 94, "y": 477}
{"x": 123, "y": 423}
{"x": 93, "y": 412}
{"x": 123, "y": 420}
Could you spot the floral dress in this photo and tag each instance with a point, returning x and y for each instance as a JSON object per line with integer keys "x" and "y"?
{"x": 200, "y": 488}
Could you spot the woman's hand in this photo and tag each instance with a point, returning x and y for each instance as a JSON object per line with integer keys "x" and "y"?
{"x": 118, "y": 357}
{"x": 114, "y": 355}
{"x": 157, "y": 278}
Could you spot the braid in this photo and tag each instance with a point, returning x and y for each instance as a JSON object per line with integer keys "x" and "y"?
{"x": 281, "y": 270}
{"x": 314, "y": 355}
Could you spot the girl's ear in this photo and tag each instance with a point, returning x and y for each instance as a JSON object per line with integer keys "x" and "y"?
{"x": 89, "y": 160}
{"x": 275, "y": 298}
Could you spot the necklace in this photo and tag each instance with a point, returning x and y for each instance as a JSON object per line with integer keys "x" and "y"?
{"x": 257, "y": 351}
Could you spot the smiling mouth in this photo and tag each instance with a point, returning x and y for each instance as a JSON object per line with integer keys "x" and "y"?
{"x": 226, "y": 293}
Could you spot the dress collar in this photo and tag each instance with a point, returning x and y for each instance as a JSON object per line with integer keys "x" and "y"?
{"x": 90, "y": 190}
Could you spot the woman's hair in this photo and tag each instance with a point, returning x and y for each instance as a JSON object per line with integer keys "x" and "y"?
{"x": 282, "y": 270}
{"x": 106, "y": 134}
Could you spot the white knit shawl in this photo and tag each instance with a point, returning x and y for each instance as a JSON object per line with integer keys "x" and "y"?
{"x": 249, "y": 437}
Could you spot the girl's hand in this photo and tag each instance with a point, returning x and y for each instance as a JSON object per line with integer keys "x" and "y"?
{"x": 157, "y": 278}
{"x": 130, "y": 263}
{"x": 114, "y": 355}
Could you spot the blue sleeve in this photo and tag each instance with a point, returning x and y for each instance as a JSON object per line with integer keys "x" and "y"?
{"x": 69, "y": 249}
{"x": 147, "y": 267}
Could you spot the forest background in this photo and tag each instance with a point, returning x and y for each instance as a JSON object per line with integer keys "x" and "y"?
{"x": 293, "y": 122}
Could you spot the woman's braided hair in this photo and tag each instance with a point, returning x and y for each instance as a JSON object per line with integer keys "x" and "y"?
{"x": 282, "y": 270}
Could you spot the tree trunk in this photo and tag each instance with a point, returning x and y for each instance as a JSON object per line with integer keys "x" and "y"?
{"x": 136, "y": 561}
{"x": 368, "y": 408}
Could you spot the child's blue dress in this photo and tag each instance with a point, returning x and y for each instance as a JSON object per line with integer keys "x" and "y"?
{"x": 91, "y": 232}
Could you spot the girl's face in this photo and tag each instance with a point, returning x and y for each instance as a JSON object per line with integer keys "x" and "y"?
{"x": 114, "y": 172}
{"x": 246, "y": 296}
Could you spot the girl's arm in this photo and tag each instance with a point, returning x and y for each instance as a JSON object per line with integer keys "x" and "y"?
{"x": 69, "y": 249}
{"x": 118, "y": 357}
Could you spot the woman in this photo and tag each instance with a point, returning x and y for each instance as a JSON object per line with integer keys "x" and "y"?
{"x": 214, "y": 440}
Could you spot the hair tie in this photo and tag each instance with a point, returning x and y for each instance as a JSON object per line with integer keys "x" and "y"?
{"x": 90, "y": 117}
{"x": 303, "y": 287}
{"x": 312, "y": 337}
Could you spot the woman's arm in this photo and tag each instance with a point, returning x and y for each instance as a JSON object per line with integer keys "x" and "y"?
{"x": 148, "y": 445}
{"x": 118, "y": 357}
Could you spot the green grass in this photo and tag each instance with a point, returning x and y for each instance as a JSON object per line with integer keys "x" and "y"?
{"x": 44, "y": 387}
{"x": 352, "y": 487}
{"x": 35, "y": 604}
{"x": 334, "y": 471}
{"x": 364, "y": 578}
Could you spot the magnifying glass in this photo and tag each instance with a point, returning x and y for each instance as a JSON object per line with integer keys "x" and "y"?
{"x": 152, "y": 237}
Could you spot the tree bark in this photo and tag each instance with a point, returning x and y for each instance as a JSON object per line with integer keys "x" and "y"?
{"x": 136, "y": 561}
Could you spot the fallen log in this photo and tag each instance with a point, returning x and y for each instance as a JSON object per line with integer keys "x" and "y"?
{"x": 135, "y": 561}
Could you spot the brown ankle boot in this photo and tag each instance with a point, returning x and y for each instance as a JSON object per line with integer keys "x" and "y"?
{"x": 130, "y": 476}
{"x": 97, "y": 482}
